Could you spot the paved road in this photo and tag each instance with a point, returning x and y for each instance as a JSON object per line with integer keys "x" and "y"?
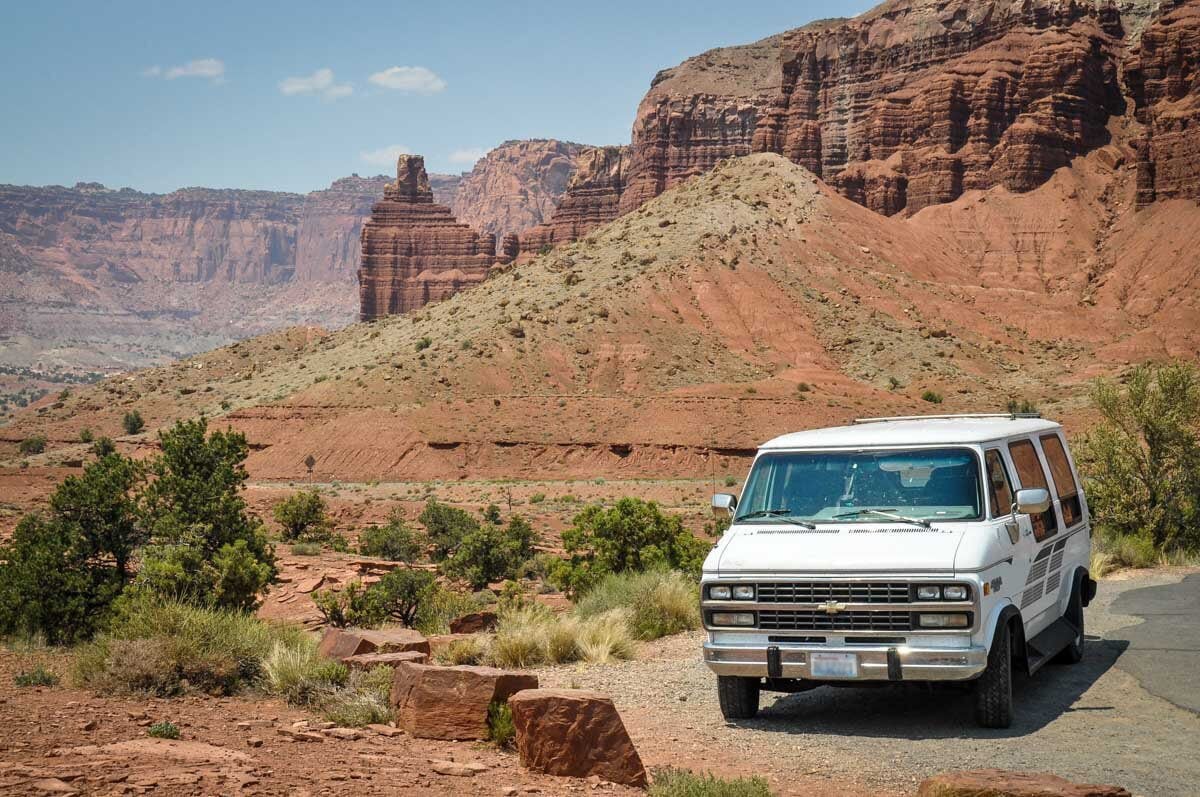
{"x": 1164, "y": 649}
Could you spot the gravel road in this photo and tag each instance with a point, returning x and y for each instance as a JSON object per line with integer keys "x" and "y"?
{"x": 1090, "y": 722}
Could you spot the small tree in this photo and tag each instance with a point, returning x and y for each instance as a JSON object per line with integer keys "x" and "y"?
{"x": 303, "y": 516}
{"x": 400, "y": 593}
{"x": 446, "y": 527}
{"x": 133, "y": 422}
{"x": 32, "y": 445}
{"x": 351, "y": 606}
{"x": 1141, "y": 464}
{"x": 632, "y": 535}
{"x": 492, "y": 553}
{"x": 395, "y": 541}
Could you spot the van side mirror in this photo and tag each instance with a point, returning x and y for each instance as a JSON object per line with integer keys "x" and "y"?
{"x": 1032, "y": 501}
{"x": 724, "y": 504}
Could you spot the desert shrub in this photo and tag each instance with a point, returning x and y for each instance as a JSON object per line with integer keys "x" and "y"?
{"x": 605, "y": 638}
{"x": 400, "y": 593}
{"x": 103, "y": 447}
{"x": 932, "y": 396}
{"x": 631, "y": 535}
{"x": 442, "y": 605}
{"x": 86, "y": 435}
{"x": 353, "y": 605}
{"x": 133, "y": 423}
{"x": 1023, "y": 406}
{"x": 501, "y": 731}
{"x": 301, "y": 677}
{"x": 163, "y": 730}
{"x": 395, "y": 541}
{"x": 423, "y": 343}
{"x": 166, "y": 647}
{"x": 38, "y": 676}
{"x": 205, "y": 547}
{"x": 537, "y": 498}
{"x": 534, "y": 635}
{"x": 682, "y": 783}
{"x": 303, "y": 516}
{"x": 1141, "y": 463}
{"x": 306, "y": 549}
{"x": 32, "y": 445}
{"x": 471, "y": 650}
{"x": 658, "y": 602}
{"x": 446, "y": 526}
{"x": 1112, "y": 551}
{"x": 490, "y": 552}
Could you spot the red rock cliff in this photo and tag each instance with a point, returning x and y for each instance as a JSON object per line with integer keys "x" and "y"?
{"x": 413, "y": 250}
{"x": 592, "y": 198}
{"x": 515, "y": 186}
{"x": 1163, "y": 79}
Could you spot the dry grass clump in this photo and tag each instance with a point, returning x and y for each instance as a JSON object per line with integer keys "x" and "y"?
{"x": 300, "y": 676}
{"x": 682, "y": 783}
{"x": 658, "y": 602}
{"x": 472, "y": 650}
{"x": 362, "y": 701}
{"x": 533, "y": 635}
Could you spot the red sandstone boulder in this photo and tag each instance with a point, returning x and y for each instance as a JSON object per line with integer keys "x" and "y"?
{"x": 574, "y": 733}
{"x": 342, "y": 643}
{"x": 474, "y": 623}
{"x": 999, "y": 783}
{"x": 451, "y": 702}
{"x": 369, "y": 661}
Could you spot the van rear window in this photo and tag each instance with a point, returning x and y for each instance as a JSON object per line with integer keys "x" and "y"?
{"x": 1064, "y": 480}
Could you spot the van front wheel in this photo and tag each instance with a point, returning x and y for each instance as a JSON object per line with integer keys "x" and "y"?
{"x": 993, "y": 690}
{"x": 738, "y": 696}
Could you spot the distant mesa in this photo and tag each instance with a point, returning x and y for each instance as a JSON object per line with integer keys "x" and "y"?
{"x": 414, "y": 251}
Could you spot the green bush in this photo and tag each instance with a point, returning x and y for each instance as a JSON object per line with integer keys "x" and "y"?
{"x": 537, "y": 498}
{"x": 446, "y": 526}
{"x": 395, "y": 541}
{"x": 1141, "y": 463}
{"x": 32, "y": 445}
{"x": 501, "y": 731}
{"x": 163, "y": 730}
{"x": 1024, "y": 406}
{"x": 296, "y": 673}
{"x": 441, "y": 606}
{"x": 632, "y": 535}
{"x": 400, "y": 593}
{"x": 350, "y": 606}
{"x": 303, "y": 516}
{"x": 659, "y": 603}
{"x": 681, "y": 783}
{"x": 166, "y": 647}
{"x": 86, "y": 435}
{"x": 932, "y": 396}
{"x": 133, "y": 423}
{"x": 38, "y": 676}
{"x": 490, "y": 553}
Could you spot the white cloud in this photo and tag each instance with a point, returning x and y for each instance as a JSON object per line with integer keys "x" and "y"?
{"x": 202, "y": 67}
{"x": 320, "y": 82}
{"x": 410, "y": 79}
{"x": 385, "y": 156}
{"x": 152, "y": 71}
{"x": 467, "y": 156}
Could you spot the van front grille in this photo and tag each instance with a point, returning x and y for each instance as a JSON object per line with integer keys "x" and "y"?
{"x": 842, "y": 621}
{"x": 840, "y": 591}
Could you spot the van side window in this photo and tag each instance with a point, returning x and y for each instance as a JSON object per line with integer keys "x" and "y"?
{"x": 1029, "y": 471}
{"x": 1064, "y": 479}
{"x": 999, "y": 488}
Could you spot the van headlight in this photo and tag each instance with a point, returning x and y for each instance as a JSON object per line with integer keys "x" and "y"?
{"x": 743, "y": 592}
{"x": 955, "y": 592}
{"x": 732, "y": 619}
{"x": 929, "y": 592}
{"x": 719, "y": 592}
{"x": 937, "y": 592}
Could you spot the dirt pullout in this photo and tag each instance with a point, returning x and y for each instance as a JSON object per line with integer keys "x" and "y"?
{"x": 750, "y": 301}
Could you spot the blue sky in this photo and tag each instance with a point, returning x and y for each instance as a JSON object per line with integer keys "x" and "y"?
{"x": 291, "y": 95}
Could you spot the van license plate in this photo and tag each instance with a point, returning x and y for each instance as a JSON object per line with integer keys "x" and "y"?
{"x": 834, "y": 665}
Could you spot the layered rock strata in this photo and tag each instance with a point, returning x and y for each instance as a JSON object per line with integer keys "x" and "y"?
{"x": 413, "y": 250}
{"x": 593, "y": 198}
{"x": 1162, "y": 80}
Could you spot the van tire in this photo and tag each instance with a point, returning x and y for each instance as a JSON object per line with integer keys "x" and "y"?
{"x": 738, "y": 696}
{"x": 1073, "y": 653}
{"x": 993, "y": 690}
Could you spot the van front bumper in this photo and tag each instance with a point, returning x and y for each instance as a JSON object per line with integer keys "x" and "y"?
{"x": 875, "y": 663}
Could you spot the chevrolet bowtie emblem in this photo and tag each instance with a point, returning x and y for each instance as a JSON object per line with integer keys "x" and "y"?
{"x": 832, "y": 607}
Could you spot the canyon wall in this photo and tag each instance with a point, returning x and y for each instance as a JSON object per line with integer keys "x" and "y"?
{"x": 592, "y": 198}
{"x": 413, "y": 250}
{"x": 515, "y": 186}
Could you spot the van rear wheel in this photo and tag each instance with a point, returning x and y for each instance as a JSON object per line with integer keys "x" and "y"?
{"x": 738, "y": 696}
{"x": 993, "y": 689}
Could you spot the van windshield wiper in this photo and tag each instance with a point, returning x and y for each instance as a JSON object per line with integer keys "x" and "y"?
{"x": 782, "y": 514}
{"x": 888, "y": 513}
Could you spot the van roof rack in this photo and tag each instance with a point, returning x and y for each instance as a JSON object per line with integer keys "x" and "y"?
{"x": 1012, "y": 416}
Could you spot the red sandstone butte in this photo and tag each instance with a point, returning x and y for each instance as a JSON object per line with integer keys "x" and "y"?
{"x": 593, "y": 198}
{"x": 413, "y": 250}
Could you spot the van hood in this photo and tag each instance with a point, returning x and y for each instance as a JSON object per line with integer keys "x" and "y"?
{"x": 844, "y": 548}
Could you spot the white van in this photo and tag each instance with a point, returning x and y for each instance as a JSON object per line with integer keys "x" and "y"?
{"x": 945, "y": 548}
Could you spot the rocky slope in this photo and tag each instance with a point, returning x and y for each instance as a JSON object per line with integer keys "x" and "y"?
{"x": 748, "y": 301}
{"x": 515, "y": 186}
{"x": 413, "y": 249}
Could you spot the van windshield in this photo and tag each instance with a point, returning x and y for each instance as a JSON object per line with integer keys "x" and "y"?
{"x": 849, "y": 487}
